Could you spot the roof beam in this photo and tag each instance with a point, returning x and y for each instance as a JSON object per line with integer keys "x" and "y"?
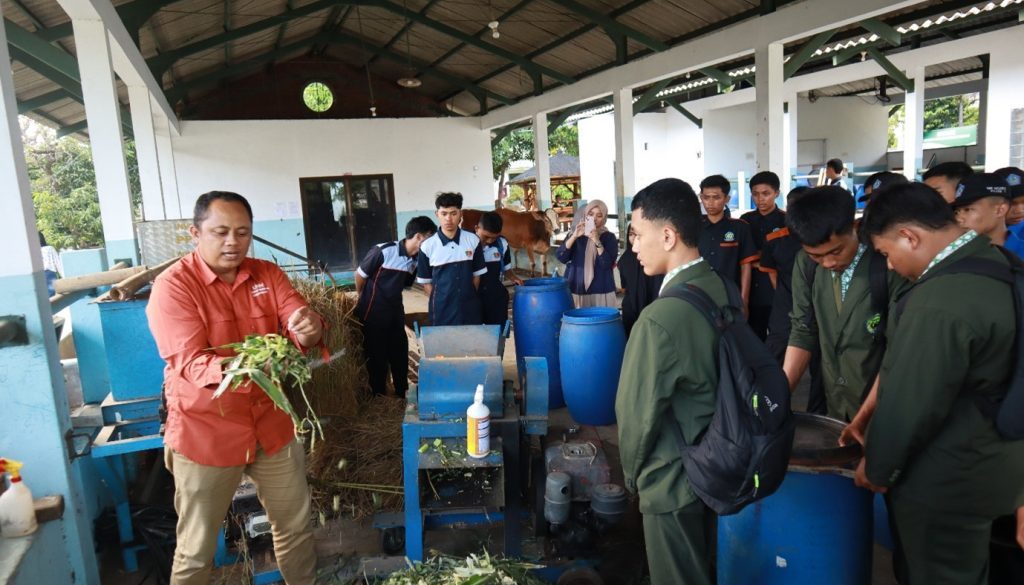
{"x": 528, "y": 65}
{"x": 884, "y": 31}
{"x": 723, "y": 78}
{"x": 804, "y": 53}
{"x": 28, "y": 14}
{"x": 519, "y": 6}
{"x": 650, "y": 96}
{"x": 674, "y": 102}
{"x": 161, "y": 63}
{"x": 791, "y": 22}
{"x": 404, "y": 31}
{"x": 557, "y": 120}
{"x": 25, "y": 106}
{"x": 560, "y": 40}
{"x": 48, "y": 60}
{"x": 84, "y": 125}
{"x": 894, "y": 73}
{"x": 613, "y": 27}
{"x": 133, "y": 14}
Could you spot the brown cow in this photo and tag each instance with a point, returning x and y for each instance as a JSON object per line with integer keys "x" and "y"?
{"x": 524, "y": 230}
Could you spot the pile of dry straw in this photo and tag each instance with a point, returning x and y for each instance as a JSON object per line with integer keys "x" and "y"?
{"x": 357, "y": 469}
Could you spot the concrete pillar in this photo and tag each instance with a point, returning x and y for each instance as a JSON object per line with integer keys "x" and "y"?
{"x": 768, "y": 80}
{"x": 103, "y": 113}
{"x": 173, "y": 203}
{"x": 34, "y": 416}
{"x": 791, "y": 140}
{"x": 542, "y": 161}
{"x": 145, "y": 151}
{"x": 625, "y": 172}
{"x": 913, "y": 129}
{"x": 1002, "y": 99}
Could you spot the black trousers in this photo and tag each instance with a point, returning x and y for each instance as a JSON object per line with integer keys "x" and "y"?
{"x": 386, "y": 346}
{"x": 758, "y": 320}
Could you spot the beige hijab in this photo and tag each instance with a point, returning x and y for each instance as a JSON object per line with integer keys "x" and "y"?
{"x": 591, "y": 256}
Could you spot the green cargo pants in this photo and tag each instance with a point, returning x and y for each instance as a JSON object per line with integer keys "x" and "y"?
{"x": 679, "y": 545}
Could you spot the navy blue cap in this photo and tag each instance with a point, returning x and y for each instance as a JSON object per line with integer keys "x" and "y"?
{"x": 979, "y": 186}
{"x": 1014, "y": 177}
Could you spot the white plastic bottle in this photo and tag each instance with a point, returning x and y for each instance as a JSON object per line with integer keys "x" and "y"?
{"x": 17, "y": 509}
{"x": 478, "y": 426}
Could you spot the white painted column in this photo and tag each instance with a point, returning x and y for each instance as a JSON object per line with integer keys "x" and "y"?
{"x": 791, "y": 137}
{"x": 768, "y": 87}
{"x": 625, "y": 168}
{"x": 145, "y": 152}
{"x": 173, "y": 203}
{"x": 913, "y": 129}
{"x": 542, "y": 161}
{"x": 102, "y": 110}
{"x": 35, "y": 414}
{"x": 1004, "y": 95}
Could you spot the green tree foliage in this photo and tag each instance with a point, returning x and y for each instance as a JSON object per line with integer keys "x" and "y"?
{"x": 64, "y": 191}
{"x": 518, "y": 145}
{"x": 948, "y": 112}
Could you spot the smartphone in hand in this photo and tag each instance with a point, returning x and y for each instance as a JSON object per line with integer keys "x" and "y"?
{"x": 590, "y": 226}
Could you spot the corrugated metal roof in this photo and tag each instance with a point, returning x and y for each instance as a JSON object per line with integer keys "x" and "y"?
{"x": 448, "y": 42}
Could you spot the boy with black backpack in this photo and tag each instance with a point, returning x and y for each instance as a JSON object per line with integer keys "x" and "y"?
{"x": 672, "y": 390}
{"x": 945, "y": 411}
{"x": 841, "y": 296}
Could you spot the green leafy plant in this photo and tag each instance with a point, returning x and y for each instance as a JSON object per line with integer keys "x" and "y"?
{"x": 269, "y": 361}
{"x": 473, "y": 570}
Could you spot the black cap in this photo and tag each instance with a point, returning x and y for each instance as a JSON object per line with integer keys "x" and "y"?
{"x": 979, "y": 186}
{"x": 879, "y": 181}
{"x": 1014, "y": 177}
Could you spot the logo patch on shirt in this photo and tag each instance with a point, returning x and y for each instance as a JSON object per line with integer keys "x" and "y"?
{"x": 873, "y": 322}
{"x": 469, "y": 253}
{"x": 259, "y": 289}
{"x": 729, "y": 236}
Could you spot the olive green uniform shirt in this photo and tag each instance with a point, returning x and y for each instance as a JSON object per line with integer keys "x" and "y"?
{"x": 927, "y": 438}
{"x": 849, "y": 357}
{"x": 670, "y": 362}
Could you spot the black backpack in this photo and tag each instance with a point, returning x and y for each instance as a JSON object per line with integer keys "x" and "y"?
{"x": 743, "y": 454}
{"x": 1006, "y": 410}
{"x": 878, "y": 287}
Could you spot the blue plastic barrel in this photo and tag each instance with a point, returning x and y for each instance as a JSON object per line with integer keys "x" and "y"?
{"x": 537, "y": 315}
{"x": 816, "y": 529}
{"x": 590, "y": 349}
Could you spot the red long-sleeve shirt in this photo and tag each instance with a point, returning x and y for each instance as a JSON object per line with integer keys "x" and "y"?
{"x": 192, "y": 312}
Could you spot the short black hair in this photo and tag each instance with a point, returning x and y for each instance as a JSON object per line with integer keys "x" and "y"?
{"x": 674, "y": 202}
{"x": 796, "y": 193}
{"x": 202, "y": 208}
{"x": 420, "y": 224}
{"x": 42, "y": 239}
{"x": 448, "y": 200}
{"x": 716, "y": 181}
{"x": 819, "y": 213}
{"x": 491, "y": 221}
{"x": 913, "y": 203}
{"x": 953, "y": 170}
{"x": 836, "y": 164}
{"x": 766, "y": 178}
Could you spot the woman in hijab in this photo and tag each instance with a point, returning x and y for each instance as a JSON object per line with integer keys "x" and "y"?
{"x": 640, "y": 289}
{"x": 589, "y": 255}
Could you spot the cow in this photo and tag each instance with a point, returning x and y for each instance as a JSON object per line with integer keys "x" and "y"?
{"x": 525, "y": 230}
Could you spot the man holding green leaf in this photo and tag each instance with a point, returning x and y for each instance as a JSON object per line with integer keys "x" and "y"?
{"x": 213, "y": 297}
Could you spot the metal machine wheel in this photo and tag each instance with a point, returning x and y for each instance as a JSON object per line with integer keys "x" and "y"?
{"x": 392, "y": 540}
{"x": 580, "y": 576}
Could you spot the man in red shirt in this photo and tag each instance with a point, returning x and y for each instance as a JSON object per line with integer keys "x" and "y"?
{"x": 212, "y": 297}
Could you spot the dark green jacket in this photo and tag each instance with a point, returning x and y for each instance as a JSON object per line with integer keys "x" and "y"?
{"x": 849, "y": 357}
{"x": 669, "y": 362}
{"x": 927, "y": 438}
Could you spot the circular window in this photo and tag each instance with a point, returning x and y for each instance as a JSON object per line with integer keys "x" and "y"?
{"x": 318, "y": 97}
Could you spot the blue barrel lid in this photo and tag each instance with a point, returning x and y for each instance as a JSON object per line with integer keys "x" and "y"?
{"x": 591, "y": 315}
{"x": 543, "y": 284}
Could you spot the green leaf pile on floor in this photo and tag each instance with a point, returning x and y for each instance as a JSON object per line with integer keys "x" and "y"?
{"x": 481, "y": 569}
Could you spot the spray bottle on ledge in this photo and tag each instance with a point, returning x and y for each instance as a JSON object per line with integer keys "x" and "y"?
{"x": 478, "y": 426}
{"x": 17, "y": 509}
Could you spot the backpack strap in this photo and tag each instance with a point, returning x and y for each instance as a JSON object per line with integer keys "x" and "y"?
{"x": 700, "y": 301}
{"x": 878, "y": 287}
{"x": 809, "y": 270}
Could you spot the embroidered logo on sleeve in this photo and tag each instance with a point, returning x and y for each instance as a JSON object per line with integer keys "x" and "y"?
{"x": 259, "y": 289}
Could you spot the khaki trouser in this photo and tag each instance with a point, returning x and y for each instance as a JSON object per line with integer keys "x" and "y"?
{"x": 202, "y": 495}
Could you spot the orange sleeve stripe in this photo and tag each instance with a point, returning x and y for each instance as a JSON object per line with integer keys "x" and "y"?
{"x": 767, "y": 270}
{"x": 777, "y": 234}
{"x": 750, "y": 259}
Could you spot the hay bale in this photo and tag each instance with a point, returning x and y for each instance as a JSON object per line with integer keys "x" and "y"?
{"x": 336, "y": 387}
{"x": 363, "y": 449}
